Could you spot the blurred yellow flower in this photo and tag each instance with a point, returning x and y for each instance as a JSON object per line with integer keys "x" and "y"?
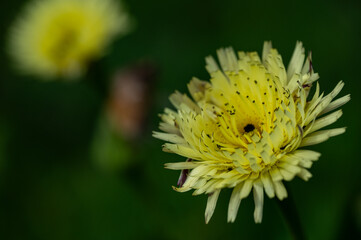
{"x": 60, "y": 37}
{"x": 244, "y": 128}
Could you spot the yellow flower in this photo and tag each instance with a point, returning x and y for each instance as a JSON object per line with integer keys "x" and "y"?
{"x": 244, "y": 128}
{"x": 60, "y": 37}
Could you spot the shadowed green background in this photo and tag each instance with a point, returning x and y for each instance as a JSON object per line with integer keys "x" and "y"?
{"x": 50, "y": 188}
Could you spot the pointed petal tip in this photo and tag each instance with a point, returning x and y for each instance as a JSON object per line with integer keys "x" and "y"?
{"x": 211, "y": 204}
{"x": 338, "y": 131}
{"x": 258, "y": 221}
{"x": 269, "y": 43}
{"x": 180, "y": 189}
{"x": 208, "y": 58}
{"x": 283, "y": 197}
{"x": 207, "y": 217}
{"x": 155, "y": 134}
{"x": 230, "y": 220}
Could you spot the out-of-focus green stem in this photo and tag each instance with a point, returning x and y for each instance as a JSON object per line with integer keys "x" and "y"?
{"x": 289, "y": 212}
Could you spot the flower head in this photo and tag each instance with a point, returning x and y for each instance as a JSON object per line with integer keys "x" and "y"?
{"x": 244, "y": 128}
{"x": 60, "y": 37}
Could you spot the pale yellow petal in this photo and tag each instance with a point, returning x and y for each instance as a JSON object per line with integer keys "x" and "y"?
{"x": 173, "y": 138}
{"x": 336, "y": 104}
{"x": 321, "y": 136}
{"x": 325, "y": 121}
{"x": 296, "y": 62}
{"x": 268, "y": 185}
{"x": 234, "y": 203}
{"x": 211, "y": 204}
{"x": 246, "y": 188}
{"x": 280, "y": 189}
{"x": 258, "y": 201}
{"x": 180, "y": 165}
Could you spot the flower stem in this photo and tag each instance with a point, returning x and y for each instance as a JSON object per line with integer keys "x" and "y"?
{"x": 290, "y": 214}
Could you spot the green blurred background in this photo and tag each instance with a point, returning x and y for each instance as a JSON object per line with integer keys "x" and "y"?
{"x": 51, "y": 189}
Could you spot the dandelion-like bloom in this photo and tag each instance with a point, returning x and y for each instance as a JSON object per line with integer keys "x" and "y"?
{"x": 60, "y": 37}
{"x": 244, "y": 128}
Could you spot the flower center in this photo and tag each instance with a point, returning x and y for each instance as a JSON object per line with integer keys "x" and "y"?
{"x": 249, "y": 128}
